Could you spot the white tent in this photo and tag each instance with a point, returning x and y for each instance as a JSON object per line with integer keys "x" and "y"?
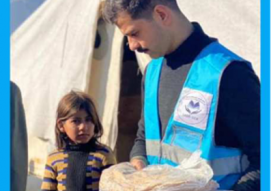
{"x": 53, "y": 52}
{"x": 235, "y": 23}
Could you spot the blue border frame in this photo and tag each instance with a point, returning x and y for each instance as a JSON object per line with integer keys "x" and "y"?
{"x": 5, "y": 95}
{"x": 265, "y": 95}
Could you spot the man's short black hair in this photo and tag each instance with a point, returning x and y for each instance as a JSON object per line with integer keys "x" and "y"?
{"x": 136, "y": 8}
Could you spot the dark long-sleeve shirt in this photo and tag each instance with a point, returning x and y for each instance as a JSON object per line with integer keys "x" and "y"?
{"x": 238, "y": 115}
{"x": 18, "y": 141}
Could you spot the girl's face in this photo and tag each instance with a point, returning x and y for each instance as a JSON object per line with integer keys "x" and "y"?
{"x": 79, "y": 128}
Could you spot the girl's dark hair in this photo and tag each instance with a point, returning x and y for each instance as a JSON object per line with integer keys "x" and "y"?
{"x": 135, "y": 8}
{"x": 68, "y": 106}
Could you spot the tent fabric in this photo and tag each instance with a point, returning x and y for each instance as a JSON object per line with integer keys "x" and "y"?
{"x": 104, "y": 84}
{"x": 143, "y": 60}
{"x": 235, "y": 23}
{"x": 20, "y": 10}
{"x": 52, "y": 53}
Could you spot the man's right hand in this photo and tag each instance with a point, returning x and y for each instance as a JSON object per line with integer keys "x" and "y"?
{"x": 138, "y": 163}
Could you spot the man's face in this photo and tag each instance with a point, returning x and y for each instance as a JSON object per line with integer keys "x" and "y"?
{"x": 145, "y": 36}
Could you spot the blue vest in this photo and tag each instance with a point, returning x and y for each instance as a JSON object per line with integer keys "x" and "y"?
{"x": 191, "y": 126}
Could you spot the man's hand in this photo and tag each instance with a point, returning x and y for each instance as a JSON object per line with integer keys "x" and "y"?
{"x": 138, "y": 163}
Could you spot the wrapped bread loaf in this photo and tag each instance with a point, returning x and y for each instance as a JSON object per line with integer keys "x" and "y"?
{"x": 186, "y": 177}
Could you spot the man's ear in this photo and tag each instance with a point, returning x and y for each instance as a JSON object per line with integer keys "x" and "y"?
{"x": 60, "y": 125}
{"x": 162, "y": 14}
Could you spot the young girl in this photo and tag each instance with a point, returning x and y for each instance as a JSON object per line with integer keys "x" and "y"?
{"x": 80, "y": 158}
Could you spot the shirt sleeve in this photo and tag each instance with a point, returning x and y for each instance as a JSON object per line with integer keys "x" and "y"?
{"x": 238, "y": 119}
{"x": 49, "y": 179}
{"x": 139, "y": 148}
{"x": 109, "y": 159}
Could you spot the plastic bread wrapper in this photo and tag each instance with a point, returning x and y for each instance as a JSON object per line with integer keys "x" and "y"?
{"x": 193, "y": 174}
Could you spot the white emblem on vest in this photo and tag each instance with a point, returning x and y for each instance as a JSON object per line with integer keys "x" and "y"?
{"x": 193, "y": 108}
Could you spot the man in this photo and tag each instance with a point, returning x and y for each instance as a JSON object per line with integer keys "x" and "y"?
{"x": 19, "y": 151}
{"x": 196, "y": 94}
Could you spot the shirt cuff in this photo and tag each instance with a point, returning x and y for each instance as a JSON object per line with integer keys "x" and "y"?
{"x": 143, "y": 159}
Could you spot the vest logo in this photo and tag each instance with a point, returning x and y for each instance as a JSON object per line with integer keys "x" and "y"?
{"x": 193, "y": 108}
